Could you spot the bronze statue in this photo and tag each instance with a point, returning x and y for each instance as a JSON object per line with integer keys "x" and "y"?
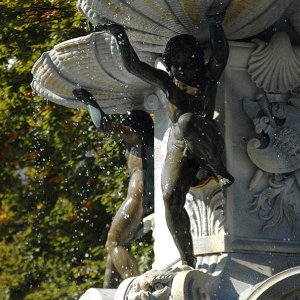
{"x": 195, "y": 145}
{"x": 137, "y": 130}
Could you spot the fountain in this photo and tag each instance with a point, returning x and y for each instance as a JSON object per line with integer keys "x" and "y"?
{"x": 246, "y": 238}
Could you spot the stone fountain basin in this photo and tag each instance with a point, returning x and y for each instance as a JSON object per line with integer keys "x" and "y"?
{"x": 93, "y": 62}
{"x": 90, "y": 62}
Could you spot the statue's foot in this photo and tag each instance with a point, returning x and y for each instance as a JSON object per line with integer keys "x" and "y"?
{"x": 189, "y": 261}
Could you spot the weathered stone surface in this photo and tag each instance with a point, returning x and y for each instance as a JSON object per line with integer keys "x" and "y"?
{"x": 275, "y": 66}
{"x": 174, "y": 284}
{"x": 246, "y": 227}
{"x": 98, "y": 294}
{"x": 162, "y": 19}
{"x": 91, "y": 62}
{"x": 283, "y": 285}
{"x": 269, "y": 252}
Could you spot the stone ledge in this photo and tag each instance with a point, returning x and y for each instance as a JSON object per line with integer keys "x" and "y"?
{"x": 98, "y": 294}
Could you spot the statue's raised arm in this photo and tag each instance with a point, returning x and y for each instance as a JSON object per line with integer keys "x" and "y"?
{"x": 131, "y": 60}
{"x": 219, "y": 46}
{"x": 103, "y": 122}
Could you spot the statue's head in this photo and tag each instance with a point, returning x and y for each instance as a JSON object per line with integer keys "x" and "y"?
{"x": 184, "y": 59}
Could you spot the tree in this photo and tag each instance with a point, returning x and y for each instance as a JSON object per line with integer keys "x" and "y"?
{"x": 61, "y": 181}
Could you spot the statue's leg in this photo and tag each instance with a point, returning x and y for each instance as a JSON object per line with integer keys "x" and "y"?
{"x": 111, "y": 276}
{"x": 125, "y": 224}
{"x": 205, "y": 142}
{"x": 177, "y": 176}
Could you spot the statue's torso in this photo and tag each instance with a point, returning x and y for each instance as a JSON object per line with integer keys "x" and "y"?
{"x": 202, "y": 104}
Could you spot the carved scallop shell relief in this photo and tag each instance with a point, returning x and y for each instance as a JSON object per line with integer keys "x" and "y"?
{"x": 275, "y": 67}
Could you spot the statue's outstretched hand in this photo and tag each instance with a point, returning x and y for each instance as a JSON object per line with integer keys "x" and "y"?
{"x": 96, "y": 113}
{"x": 216, "y": 13}
{"x": 218, "y": 18}
{"x": 82, "y": 95}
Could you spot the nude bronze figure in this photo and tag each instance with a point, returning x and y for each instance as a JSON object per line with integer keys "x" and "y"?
{"x": 195, "y": 145}
{"x": 137, "y": 130}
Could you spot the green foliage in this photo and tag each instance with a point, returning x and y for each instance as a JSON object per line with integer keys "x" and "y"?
{"x": 61, "y": 182}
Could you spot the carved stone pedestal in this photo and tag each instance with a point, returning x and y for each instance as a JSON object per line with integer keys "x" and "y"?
{"x": 254, "y": 223}
{"x": 175, "y": 284}
{"x": 247, "y": 237}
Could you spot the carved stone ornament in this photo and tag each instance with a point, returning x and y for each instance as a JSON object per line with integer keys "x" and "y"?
{"x": 282, "y": 153}
{"x": 275, "y": 114}
{"x": 205, "y": 207}
{"x": 276, "y": 202}
{"x": 175, "y": 284}
{"x": 275, "y": 67}
{"x": 277, "y": 153}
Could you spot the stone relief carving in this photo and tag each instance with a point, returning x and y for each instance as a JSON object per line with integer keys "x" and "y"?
{"x": 274, "y": 203}
{"x": 152, "y": 285}
{"x": 173, "y": 284}
{"x": 205, "y": 208}
{"x": 275, "y": 67}
{"x": 275, "y": 113}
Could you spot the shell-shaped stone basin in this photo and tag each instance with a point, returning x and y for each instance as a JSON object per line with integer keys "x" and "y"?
{"x": 151, "y": 22}
{"x": 90, "y": 62}
{"x": 93, "y": 62}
